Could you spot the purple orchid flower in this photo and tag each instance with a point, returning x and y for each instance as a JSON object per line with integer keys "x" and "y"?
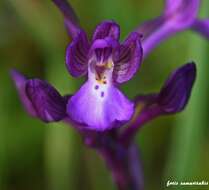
{"x": 178, "y": 16}
{"x": 107, "y": 63}
{"x": 99, "y": 110}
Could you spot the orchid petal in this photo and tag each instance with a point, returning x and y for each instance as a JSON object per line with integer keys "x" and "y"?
{"x": 106, "y": 29}
{"x": 76, "y": 55}
{"x": 48, "y": 103}
{"x": 127, "y": 58}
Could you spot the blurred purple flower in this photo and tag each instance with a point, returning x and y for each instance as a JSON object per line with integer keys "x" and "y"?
{"x": 178, "y": 15}
{"x": 181, "y": 14}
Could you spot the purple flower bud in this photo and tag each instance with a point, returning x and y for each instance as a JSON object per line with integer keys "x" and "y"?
{"x": 175, "y": 94}
{"x": 40, "y": 99}
{"x": 172, "y": 98}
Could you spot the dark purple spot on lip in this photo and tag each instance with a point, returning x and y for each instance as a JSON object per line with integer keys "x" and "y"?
{"x": 96, "y": 87}
{"x": 102, "y": 94}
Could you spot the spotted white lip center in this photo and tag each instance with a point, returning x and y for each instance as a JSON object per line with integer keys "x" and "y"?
{"x": 100, "y": 76}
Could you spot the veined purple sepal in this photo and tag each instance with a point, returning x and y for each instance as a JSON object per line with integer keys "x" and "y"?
{"x": 77, "y": 55}
{"x": 40, "y": 99}
{"x": 127, "y": 58}
{"x": 48, "y": 103}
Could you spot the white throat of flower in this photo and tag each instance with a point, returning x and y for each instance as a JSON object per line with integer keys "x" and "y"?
{"x": 100, "y": 80}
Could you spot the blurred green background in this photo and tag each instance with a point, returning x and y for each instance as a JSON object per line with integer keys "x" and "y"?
{"x": 38, "y": 156}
